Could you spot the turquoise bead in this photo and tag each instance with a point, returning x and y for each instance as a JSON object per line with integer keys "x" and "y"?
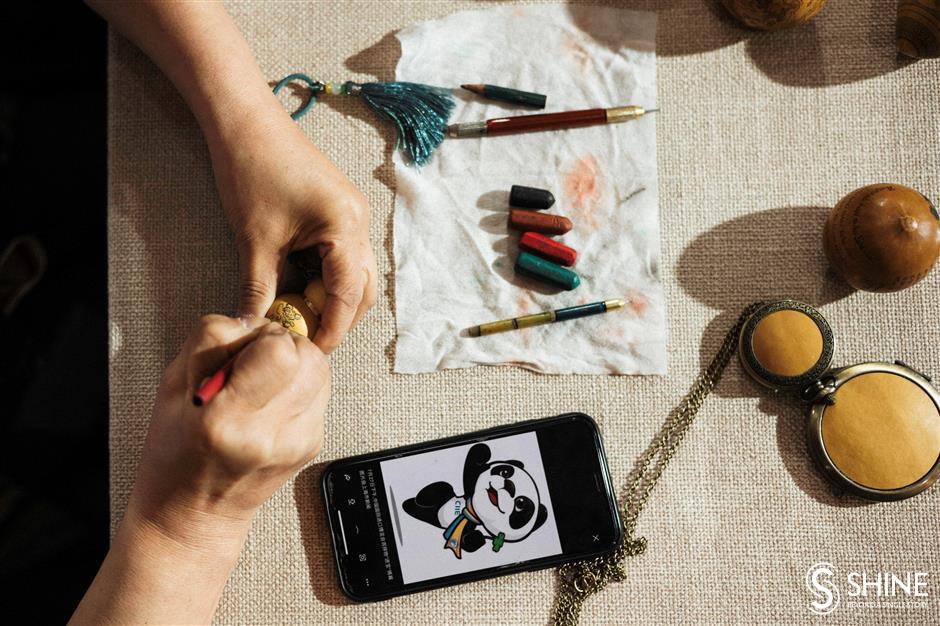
{"x": 531, "y": 264}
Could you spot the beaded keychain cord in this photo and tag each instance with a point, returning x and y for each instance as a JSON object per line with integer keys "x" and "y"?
{"x": 419, "y": 112}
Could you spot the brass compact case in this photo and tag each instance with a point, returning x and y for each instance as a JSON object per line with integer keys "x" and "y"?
{"x": 873, "y": 428}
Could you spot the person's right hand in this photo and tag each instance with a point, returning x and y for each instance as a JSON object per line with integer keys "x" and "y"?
{"x": 205, "y": 470}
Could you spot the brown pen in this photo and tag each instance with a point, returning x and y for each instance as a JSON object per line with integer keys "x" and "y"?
{"x": 547, "y": 121}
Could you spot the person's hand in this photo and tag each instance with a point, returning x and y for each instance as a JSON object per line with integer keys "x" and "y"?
{"x": 281, "y": 194}
{"x": 204, "y": 471}
{"x": 211, "y": 467}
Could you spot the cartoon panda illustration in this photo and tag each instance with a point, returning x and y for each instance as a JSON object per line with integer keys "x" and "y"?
{"x": 500, "y": 503}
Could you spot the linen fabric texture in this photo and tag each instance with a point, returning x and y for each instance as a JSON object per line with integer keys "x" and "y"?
{"x": 759, "y": 135}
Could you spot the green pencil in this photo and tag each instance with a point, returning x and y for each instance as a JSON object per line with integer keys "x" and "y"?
{"x": 506, "y": 94}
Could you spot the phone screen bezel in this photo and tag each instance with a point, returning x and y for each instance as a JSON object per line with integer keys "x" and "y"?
{"x": 602, "y": 474}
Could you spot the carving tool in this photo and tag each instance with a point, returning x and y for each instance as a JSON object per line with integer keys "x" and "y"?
{"x": 547, "y": 121}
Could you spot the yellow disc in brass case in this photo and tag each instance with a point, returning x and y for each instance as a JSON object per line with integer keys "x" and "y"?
{"x": 883, "y": 431}
{"x": 786, "y": 345}
{"x": 875, "y": 430}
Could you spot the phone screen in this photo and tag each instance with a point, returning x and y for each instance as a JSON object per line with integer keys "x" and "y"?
{"x": 509, "y": 499}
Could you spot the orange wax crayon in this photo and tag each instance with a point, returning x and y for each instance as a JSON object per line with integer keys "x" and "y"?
{"x": 538, "y": 222}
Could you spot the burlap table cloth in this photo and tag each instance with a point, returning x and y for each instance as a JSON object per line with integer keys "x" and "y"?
{"x": 759, "y": 134}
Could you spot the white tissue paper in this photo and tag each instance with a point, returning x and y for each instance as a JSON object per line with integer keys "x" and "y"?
{"x": 453, "y": 252}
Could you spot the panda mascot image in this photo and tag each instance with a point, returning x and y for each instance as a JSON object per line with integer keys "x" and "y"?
{"x": 500, "y": 503}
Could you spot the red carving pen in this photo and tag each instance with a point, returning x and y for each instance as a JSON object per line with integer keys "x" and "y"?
{"x": 213, "y": 385}
{"x": 547, "y": 121}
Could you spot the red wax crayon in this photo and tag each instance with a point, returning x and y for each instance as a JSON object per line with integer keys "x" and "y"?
{"x": 538, "y": 222}
{"x": 554, "y": 251}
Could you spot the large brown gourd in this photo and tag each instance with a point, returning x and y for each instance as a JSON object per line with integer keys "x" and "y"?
{"x": 883, "y": 237}
{"x": 774, "y": 14}
{"x": 918, "y": 28}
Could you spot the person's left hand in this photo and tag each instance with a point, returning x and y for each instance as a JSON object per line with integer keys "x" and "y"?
{"x": 281, "y": 194}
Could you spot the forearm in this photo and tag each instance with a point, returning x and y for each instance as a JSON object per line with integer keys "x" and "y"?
{"x": 159, "y": 575}
{"x": 202, "y": 52}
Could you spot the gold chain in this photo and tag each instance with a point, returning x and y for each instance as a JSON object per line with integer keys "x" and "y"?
{"x": 579, "y": 580}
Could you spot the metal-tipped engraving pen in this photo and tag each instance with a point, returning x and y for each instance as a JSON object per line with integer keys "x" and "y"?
{"x": 547, "y": 121}
{"x": 545, "y": 317}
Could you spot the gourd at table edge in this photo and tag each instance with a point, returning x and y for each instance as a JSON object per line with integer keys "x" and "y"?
{"x": 918, "y": 28}
{"x": 773, "y": 14}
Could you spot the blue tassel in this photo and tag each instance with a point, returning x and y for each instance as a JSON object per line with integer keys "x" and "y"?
{"x": 419, "y": 112}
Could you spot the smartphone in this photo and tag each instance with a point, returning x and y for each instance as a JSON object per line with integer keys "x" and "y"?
{"x": 493, "y": 502}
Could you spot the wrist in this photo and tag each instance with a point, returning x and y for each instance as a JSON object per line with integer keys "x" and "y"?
{"x": 182, "y": 529}
{"x": 169, "y": 570}
{"x": 234, "y": 119}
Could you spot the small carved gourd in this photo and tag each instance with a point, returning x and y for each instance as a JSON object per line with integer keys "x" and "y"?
{"x": 882, "y": 237}
{"x": 918, "y": 28}
{"x": 774, "y": 14}
{"x": 300, "y": 313}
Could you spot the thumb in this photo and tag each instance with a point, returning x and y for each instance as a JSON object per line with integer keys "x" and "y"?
{"x": 258, "y": 272}
{"x": 344, "y": 281}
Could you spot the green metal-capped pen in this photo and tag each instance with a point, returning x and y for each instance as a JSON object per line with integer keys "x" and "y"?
{"x": 506, "y": 94}
{"x": 545, "y": 317}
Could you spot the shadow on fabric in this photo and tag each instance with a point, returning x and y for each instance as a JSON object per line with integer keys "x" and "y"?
{"x": 838, "y": 46}
{"x": 684, "y": 27}
{"x": 767, "y": 255}
{"x": 841, "y": 45}
{"x": 379, "y": 60}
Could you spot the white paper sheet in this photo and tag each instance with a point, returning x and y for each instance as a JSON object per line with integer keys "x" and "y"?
{"x": 453, "y": 251}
